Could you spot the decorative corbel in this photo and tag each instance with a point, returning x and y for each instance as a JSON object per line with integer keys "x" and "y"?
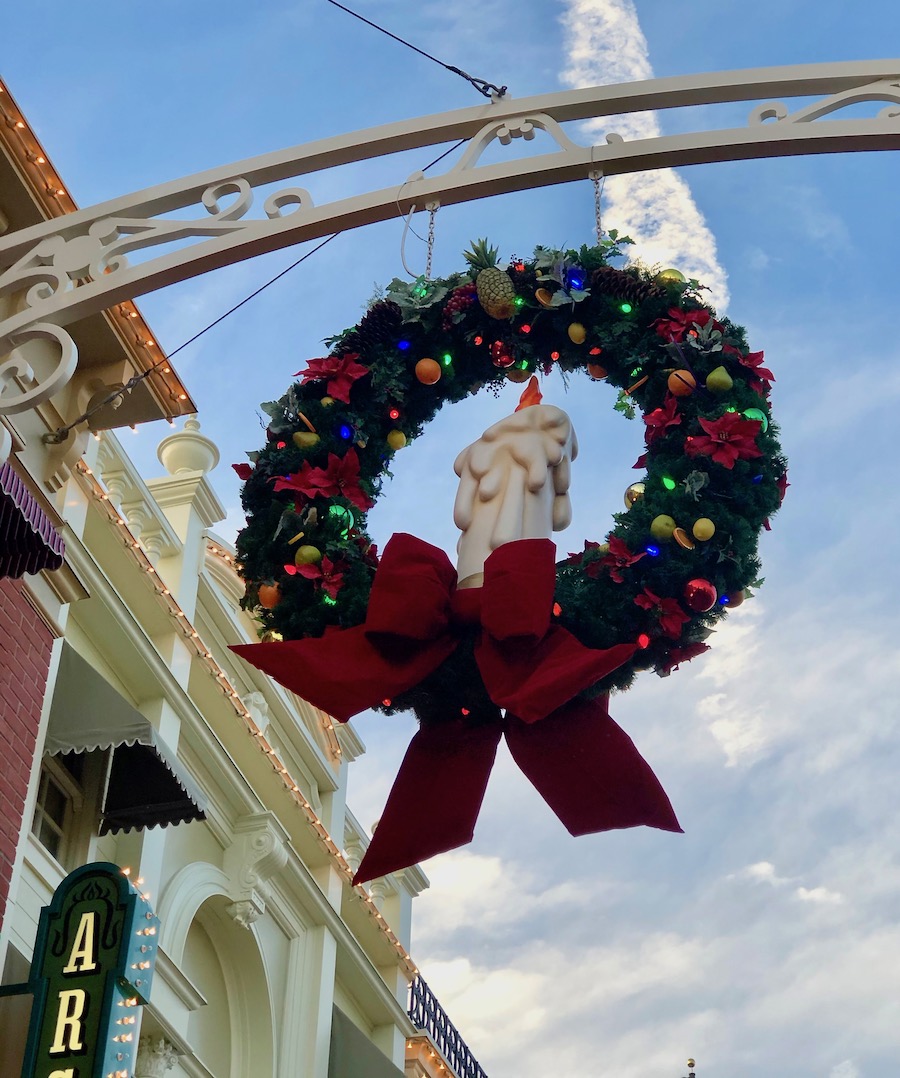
{"x": 259, "y": 850}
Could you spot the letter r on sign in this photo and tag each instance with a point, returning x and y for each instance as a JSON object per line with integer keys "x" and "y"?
{"x": 67, "y": 1037}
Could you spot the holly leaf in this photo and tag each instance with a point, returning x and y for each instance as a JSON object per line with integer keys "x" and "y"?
{"x": 625, "y": 405}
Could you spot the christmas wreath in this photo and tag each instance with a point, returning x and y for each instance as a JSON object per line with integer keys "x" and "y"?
{"x": 681, "y": 554}
{"x": 526, "y": 650}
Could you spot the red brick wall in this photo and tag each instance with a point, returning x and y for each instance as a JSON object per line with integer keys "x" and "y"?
{"x": 25, "y": 643}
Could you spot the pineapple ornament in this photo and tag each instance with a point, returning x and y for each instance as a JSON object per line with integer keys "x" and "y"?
{"x": 496, "y": 292}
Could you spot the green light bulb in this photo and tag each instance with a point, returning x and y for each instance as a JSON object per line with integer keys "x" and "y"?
{"x": 668, "y": 482}
{"x": 519, "y": 301}
{"x": 522, "y": 364}
{"x": 327, "y": 600}
{"x": 626, "y": 308}
{"x": 447, "y": 359}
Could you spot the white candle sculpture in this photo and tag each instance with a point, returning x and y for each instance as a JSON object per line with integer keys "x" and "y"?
{"x": 513, "y": 483}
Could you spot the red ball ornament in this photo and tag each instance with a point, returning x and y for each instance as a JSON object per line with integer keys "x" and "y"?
{"x": 501, "y": 356}
{"x": 700, "y": 595}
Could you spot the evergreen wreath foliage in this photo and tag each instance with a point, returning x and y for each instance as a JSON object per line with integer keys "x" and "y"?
{"x": 712, "y": 454}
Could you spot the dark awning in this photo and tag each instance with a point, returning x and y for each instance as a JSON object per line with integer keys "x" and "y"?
{"x": 28, "y": 541}
{"x": 353, "y": 1054}
{"x": 147, "y": 785}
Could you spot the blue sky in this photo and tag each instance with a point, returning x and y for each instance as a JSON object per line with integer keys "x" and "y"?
{"x": 765, "y": 939}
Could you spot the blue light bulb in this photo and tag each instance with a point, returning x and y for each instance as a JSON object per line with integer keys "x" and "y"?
{"x": 724, "y": 600}
{"x": 345, "y": 432}
{"x": 403, "y": 345}
{"x": 653, "y": 551}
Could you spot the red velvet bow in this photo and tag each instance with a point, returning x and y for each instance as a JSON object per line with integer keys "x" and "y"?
{"x": 580, "y": 761}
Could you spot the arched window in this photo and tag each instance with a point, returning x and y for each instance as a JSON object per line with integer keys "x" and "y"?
{"x": 232, "y": 1034}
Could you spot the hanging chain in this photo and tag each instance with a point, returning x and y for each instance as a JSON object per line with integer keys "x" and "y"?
{"x": 432, "y": 208}
{"x": 598, "y": 180}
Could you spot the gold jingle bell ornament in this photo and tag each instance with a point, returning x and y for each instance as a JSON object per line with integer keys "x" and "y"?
{"x": 633, "y": 494}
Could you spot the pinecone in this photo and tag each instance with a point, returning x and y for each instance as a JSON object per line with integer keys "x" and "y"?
{"x": 621, "y": 285}
{"x": 381, "y": 325}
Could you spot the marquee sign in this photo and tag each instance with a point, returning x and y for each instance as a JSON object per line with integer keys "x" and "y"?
{"x": 93, "y": 965}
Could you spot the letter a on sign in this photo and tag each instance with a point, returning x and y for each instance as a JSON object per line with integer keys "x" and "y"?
{"x": 83, "y": 957}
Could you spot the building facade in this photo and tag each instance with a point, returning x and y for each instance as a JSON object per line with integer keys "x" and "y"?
{"x": 131, "y": 734}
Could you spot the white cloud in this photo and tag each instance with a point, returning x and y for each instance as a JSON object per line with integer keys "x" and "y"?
{"x": 762, "y": 872}
{"x": 604, "y": 43}
{"x": 462, "y": 881}
{"x": 765, "y": 872}
{"x": 847, "y": 1069}
{"x": 822, "y": 896}
{"x": 517, "y": 1009}
{"x": 738, "y": 731}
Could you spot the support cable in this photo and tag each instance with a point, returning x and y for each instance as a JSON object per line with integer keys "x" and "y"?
{"x": 59, "y": 435}
{"x": 487, "y": 89}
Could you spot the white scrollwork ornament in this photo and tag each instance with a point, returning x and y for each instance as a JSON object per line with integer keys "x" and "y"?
{"x": 17, "y": 371}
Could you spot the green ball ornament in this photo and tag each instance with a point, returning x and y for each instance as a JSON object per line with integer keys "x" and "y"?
{"x": 758, "y": 414}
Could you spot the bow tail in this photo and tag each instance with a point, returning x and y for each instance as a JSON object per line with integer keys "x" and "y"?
{"x": 588, "y": 770}
{"x": 436, "y": 796}
{"x": 343, "y": 672}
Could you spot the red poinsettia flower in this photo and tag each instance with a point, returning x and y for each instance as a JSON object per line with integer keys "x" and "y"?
{"x": 340, "y": 477}
{"x": 727, "y": 439}
{"x": 782, "y": 484}
{"x": 661, "y": 419}
{"x": 368, "y": 550}
{"x": 668, "y": 611}
{"x": 753, "y": 360}
{"x": 244, "y": 471}
{"x": 340, "y": 371}
{"x": 328, "y": 575}
{"x": 618, "y": 558}
{"x": 762, "y": 383}
{"x": 578, "y": 557}
{"x": 677, "y": 656}
{"x": 641, "y": 462}
{"x": 679, "y": 323}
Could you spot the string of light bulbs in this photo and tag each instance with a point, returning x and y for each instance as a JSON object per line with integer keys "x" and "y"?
{"x": 193, "y": 638}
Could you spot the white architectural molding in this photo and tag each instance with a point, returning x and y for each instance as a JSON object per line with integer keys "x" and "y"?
{"x": 182, "y": 896}
{"x": 76, "y": 265}
{"x": 155, "y": 1056}
{"x": 184, "y": 989}
{"x": 260, "y": 849}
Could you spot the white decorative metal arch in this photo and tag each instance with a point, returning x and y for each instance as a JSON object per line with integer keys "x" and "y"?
{"x": 73, "y": 266}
